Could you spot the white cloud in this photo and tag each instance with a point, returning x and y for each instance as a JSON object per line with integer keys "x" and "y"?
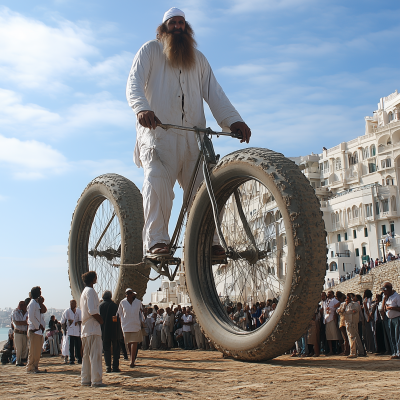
{"x": 13, "y": 111}
{"x": 91, "y": 114}
{"x": 240, "y": 6}
{"x": 30, "y": 159}
{"x": 38, "y": 56}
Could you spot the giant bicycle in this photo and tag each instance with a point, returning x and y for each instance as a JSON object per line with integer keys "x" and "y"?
{"x": 267, "y": 219}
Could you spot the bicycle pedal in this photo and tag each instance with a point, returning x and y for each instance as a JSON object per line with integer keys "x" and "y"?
{"x": 158, "y": 257}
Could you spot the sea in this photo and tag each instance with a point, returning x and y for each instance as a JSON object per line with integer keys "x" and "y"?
{"x": 4, "y": 334}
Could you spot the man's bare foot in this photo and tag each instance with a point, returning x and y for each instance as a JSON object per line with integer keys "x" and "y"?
{"x": 159, "y": 248}
{"x": 217, "y": 250}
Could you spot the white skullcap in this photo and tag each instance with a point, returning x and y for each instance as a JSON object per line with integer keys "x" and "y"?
{"x": 173, "y": 12}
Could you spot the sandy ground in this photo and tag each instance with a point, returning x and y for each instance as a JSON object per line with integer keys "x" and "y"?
{"x": 206, "y": 375}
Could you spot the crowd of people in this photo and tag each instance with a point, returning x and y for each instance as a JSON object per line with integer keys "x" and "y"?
{"x": 97, "y": 329}
{"x": 353, "y": 325}
{"x": 364, "y": 270}
{"x": 348, "y": 325}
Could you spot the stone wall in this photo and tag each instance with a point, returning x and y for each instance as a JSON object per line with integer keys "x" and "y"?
{"x": 374, "y": 280}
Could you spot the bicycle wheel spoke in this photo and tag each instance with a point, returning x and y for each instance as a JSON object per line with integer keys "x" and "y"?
{"x": 108, "y": 247}
{"x": 256, "y": 222}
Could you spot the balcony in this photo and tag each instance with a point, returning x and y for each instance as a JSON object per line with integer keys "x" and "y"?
{"x": 346, "y": 253}
{"x": 384, "y": 149}
{"x": 355, "y": 221}
{"x": 322, "y": 191}
{"x": 387, "y": 214}
{"x": 338, "y": 226}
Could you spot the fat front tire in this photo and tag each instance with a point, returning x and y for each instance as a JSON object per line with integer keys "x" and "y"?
{"x": 288, "y": 267}
{"x": 106, "y": 231}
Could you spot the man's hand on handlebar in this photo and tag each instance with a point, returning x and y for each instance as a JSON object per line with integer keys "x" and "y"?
{"x": 243, "y": 129}
{"x": 148, "y": 119}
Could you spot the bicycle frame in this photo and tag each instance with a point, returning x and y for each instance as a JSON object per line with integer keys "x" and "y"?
{"x": 207, "y": 159}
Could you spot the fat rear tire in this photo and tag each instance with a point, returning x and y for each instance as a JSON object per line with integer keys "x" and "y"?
{"x": 306, "y": 261}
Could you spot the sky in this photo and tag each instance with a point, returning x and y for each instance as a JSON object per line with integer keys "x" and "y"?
{"x": 302, "y": 73}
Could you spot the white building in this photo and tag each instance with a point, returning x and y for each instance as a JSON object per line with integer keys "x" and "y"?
{"x": 171, "y": 292}
{"x": 357, "y": 183}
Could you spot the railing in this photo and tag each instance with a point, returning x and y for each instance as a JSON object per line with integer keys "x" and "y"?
{"x": 387, "y": 126}
{"x": 350, "y": 142}
{"x": 391, "y": 96}
{"x": 382, "y": 149}
{"x": 332, "y": 149}
{"x": 356, "y": 189}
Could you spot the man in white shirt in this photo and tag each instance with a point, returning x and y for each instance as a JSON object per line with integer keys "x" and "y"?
{"x": 391, "y": 304}
{"x": 92, "y": 372}
{"x": 74, "y": 322}
{"x": 36, "y": 309}
{"x": 130, "y": 313}
{"x": 331, "y": 328}
{"x": 19, "y": 318}
{"x": 187, "y": 321}
{"x": 168, "y": 82}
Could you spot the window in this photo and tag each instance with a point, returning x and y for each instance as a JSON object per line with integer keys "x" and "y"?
{"x": 390, "y": 116}
{"x": 353, "y": 158}
{"x": 387, "y": 163}
{"x": 365, "y": 232}
{"x": 338, "y": 164}
{"x": 338, "y": 237}
{"x": 364, "y": 251}
{"x": 392, "y": 228}
{"x": 345, "y": 236}
{"x": 373, "y": 150}
{"x": 326, "y": 167}
{"x": 333, "y": 266}
{"x": 368, "y": 210}
{"x": 357, "y": 253}
{"x": 332, "y": 254}
{"x": 354, "y": 234}
{"x": 389, "y": 181}
{"x": 365, "y": 153}
{"x": 385, "y": 205}
{"x": 383, "y": 230}
{"x": 371, "y": 167}
{"x": 377, "y": 207}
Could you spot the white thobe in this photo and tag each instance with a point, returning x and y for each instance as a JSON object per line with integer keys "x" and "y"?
{"x": 176, "y": 97}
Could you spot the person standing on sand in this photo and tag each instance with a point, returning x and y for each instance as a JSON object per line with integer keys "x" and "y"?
{"x": 35, "y": 330}
{"x": 19, "y": 319}
{"x": 129, "y": 311}
{"x": 108, "y": 311}
{"x": 74, "y": 319}
{"x": 92, "y": 372}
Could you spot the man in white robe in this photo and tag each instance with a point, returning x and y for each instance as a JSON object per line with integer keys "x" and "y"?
{"x": 168, "y": 82}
